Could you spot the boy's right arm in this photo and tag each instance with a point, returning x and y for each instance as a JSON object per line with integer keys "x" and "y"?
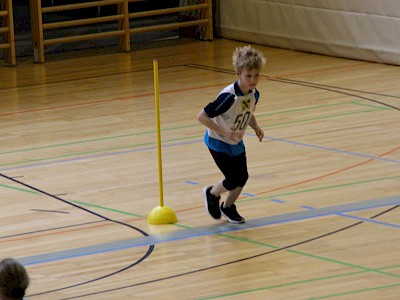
{"x": 204, "y": 119}
{"x": 231, "y": 134}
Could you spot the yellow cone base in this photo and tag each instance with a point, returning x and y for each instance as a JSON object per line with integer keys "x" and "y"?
{"x": 162, "y": 215}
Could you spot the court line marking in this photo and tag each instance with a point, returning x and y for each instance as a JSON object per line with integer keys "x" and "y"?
{"x": 140, "y": 217}
{"x": 293, "y": 283}
{"x": 315, "y": 188}
{"x": 194, "y": 125}
{"x": 122, "y": 147}
{"x": 368, "y": 220}
{"x": 91, "y": 153}
{"x": 332, "y": 149}
{"x": 379, "y": 287}
{"x": 378, "y": 158}
{"x": 275, "y": 77}
{"x": 207, "y": 231}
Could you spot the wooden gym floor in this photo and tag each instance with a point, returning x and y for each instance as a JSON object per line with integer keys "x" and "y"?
{"x": 78, "y": 165}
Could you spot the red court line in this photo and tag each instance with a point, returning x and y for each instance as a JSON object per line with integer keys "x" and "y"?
{"x": 201, "y": 206}
{"x": 171, "y": 91}
{"x": 109, "y": 100}
{"x": 329, "y": 174}
{"x": 196, "y": 207}
{"x": 33, "y": 235}
{"x": 361, "y": 64}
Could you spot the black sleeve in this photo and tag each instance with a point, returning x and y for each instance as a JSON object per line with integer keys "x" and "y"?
{"x": 220, "y": 105}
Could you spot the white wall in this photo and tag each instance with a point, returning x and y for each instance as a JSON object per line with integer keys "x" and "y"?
{"x": 359, "y": 29}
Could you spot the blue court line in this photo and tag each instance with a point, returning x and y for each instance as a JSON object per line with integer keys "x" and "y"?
{"x": 95, "y": 156}
{"x": 208, "y": 230}
{"x": 248, "y": 195}
{"x": 360, "y": 218}
{"x": 193, "y": 142}
{"x": 369, "y": 220}
{"x": 332, "y": 149}
{"x": 191, "y": 182}
{"x": 278, "y": 200}
{"x": 307, "y": 207}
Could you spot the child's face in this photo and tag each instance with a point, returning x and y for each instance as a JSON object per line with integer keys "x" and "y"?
{"x": 248, "y": 79}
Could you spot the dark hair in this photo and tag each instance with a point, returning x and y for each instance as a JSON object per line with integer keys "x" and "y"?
{"x": 14, "y": 279}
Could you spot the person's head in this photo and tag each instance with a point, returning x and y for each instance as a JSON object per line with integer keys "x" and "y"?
{"x": 14, "y": 280}
{"x": 248, "y": 63}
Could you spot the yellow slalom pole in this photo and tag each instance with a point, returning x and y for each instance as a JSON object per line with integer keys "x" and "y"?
{"x": 160, "y": 214}
{"x": 158, "y": 126}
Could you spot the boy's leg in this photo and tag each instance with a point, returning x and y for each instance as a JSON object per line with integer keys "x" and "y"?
{"x": 235, "y": 172}
{"x": 228, "y": 209}
{"x": 211, "y": 195}
{"x": 231, "y": 214}
{"x": 218, "y": 189}
{"x": 232, "y": 196}
{"x": 212, "y": 203}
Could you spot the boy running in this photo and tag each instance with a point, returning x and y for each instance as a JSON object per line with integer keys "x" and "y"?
{"x": 226, "y": 119}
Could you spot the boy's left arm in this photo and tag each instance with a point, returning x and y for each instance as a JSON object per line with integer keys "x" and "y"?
{"x": 253, "y": 124}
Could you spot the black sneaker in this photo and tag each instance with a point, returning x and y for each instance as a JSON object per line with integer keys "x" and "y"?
{"x": 231, "y": 214}
{"x": 212, "y": 203}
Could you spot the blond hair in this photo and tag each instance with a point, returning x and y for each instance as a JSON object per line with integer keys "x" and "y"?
{"x": 14, "y": 279}
{"x": 248, "y": 58}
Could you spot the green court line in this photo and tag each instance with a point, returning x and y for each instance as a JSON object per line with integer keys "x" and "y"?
{"x": 318, "y": 257}
{"x": 357, "y": 291}
{"x": 188, "y": 126}
{"x": 74, "y": 143}
{"x": 303, "y": 282}
{"x": 105, "y": 150}
{"x": 391, "y": 267}
{"x": 371, "y": 270}
{"x": 319, "y": 118}
{"x": 232, "y": 237}
{"x": 362, "y": 103}
{"x": 320, "y": 188}
{"x": 252, "y": 198}
{"x": 107, "y": 208}
{"x": 75, "y": 154}
{"x": 362, "y": 271}
{"x": 281, "y": 285}
{"x": 301, "y": 253}
{"x": 227, "y": 236}
{"x": 179, "y": 127}
{"x": 74, "y": 201}
{"x": 97, "y": 139}
{"x": 19, "y": 189}
{"x": 376, "y": 107}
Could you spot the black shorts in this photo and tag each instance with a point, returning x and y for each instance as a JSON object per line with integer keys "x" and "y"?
{"x": 234, "y": 169}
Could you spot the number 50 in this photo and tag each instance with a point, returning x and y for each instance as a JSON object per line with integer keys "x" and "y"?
{"x": 241, "y": 120}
